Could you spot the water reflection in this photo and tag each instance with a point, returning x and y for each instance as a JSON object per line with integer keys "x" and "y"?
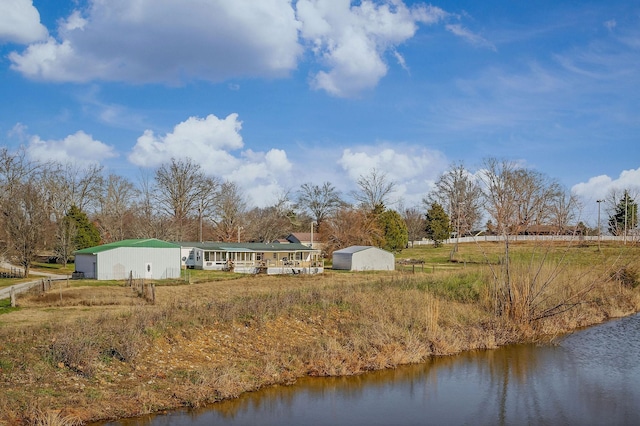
{"x": 589, "y": 378}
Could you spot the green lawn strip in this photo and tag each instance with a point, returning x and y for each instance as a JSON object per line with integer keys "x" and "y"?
{"x": 5, "y": 306}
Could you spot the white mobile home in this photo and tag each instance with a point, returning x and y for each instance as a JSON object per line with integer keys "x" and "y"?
{"x": 363, "y": 258}
{"x": 253, "y": 258}
{"x": 147, "y": 258}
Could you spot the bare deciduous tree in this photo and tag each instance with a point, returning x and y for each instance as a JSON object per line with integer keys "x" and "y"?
{"x": 228, "y": 212}
{"x": 318, "y": 201}
{"x": 414, "y": 218}
{"x": 374, "y": 191}
{"x": 266, "y": 224}
{"x": 183, "y": 192}
{"x": 349, "y": 226}
{"x": 563, "y": 210}
{"x": 499, "y": 196}
{"x": 515, "y": 198}
{"x": 15, "y": 171}
{"x": 115, "y": 209}
{"x": 25, "y": 220}
{"x": 457, "y": 191}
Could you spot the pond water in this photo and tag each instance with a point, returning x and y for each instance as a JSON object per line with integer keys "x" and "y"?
{"x": 591, "y": 377}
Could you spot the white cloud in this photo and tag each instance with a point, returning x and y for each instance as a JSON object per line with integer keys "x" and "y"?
{"x": 598, "y": 187}
{"x": 167, "y": 41}
{"x": 610, "y": 24}
{"x": 77, "y": 148}
{"x": 215, "y": 145}
{"x": 206, "y": 140}
{"x": 413, "y": 169}
{"x": 163, "y": 41}
{"x": 351, "y": 41}
{"x": 20, "y": 22}
{"x": 470, "y": 36}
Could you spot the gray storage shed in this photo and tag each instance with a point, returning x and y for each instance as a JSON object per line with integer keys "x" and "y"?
{"x": 148, "y": 258}
{"x": 364, "y": 258}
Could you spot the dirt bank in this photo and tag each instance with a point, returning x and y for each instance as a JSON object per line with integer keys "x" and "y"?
{"x": 83, "y": 354}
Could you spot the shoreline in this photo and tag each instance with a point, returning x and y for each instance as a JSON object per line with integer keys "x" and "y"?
{"x": 128, "y": 361}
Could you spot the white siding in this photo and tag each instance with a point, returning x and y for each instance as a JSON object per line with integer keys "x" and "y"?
{"x": 360, "y": 258}
{"x": 85, "y": 263}
{"x": 118, "y": 263}
{"x": 373, "y": 259}
{"x": 342, "y": 261}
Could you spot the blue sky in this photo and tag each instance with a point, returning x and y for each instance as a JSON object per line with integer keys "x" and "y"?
{"x": 276, "y": 93}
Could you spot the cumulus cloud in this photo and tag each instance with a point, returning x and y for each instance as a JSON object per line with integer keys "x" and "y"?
{"x": 20, "y": 22}
{"x": 167, "y": 41}
{"x": 351, "y": 41}
{"x": 77, "y": 148}
{"x": 413, "y": 169}
{"x": 216, "y": 145}
{"x": 598, "y": 187}
{"x": 206, "y": 140}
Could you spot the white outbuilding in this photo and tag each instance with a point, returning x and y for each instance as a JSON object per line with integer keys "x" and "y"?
{"x": 147, "y": 258}
{"x": 363, "y": 258}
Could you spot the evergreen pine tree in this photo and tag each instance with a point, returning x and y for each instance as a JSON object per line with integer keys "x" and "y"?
{"x": 438, "y": 224}
{"x": 86, "y": 233}
{"x": 626, "y": 208}
{"x": 394, "y": 228}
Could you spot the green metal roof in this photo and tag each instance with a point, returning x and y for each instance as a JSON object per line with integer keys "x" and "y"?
{"x": 237, "y": 247}
{"x": 144, "y": 243}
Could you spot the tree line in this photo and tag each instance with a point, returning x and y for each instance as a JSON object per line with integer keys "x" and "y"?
{"x": 57, "y": 208}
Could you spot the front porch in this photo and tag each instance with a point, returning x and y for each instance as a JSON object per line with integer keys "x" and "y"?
{"x": 255, "y": 258}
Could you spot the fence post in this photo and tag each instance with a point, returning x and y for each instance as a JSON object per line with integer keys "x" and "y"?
{"x": 153, "y": 294}
{"x": 13, "y": 297}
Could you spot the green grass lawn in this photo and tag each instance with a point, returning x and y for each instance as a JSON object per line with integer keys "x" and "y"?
{"x": 53, "y": 268}
{"x": 5, "y": 306}
{"x": 468, "y": 254}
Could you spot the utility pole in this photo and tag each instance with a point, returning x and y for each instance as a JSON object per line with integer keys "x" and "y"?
{"x": 239, "y": 228}
{"x": 626, "y": 199}
{"x": 200, "y": 221}
{"x": 599, "y": 201}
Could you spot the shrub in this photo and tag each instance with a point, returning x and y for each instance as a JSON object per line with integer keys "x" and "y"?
{"x": 627, "y": 277}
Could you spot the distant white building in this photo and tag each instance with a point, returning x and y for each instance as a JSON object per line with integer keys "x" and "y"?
{"x": 363, "y": 258}
{"x": 252, "y": 258}
{"x": 148, "y": 258}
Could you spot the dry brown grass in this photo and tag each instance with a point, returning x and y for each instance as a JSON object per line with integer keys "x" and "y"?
{"x": 106, "y": 353}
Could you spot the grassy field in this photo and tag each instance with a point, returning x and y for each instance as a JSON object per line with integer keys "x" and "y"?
{"x": 92, "y": 351}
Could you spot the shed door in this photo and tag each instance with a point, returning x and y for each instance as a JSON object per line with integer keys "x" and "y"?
{"x": 148, "y": 270}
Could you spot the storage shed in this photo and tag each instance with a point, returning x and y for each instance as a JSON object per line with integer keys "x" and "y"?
{"x": 363, "y": 258}
{"x": 148, "y": 258}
